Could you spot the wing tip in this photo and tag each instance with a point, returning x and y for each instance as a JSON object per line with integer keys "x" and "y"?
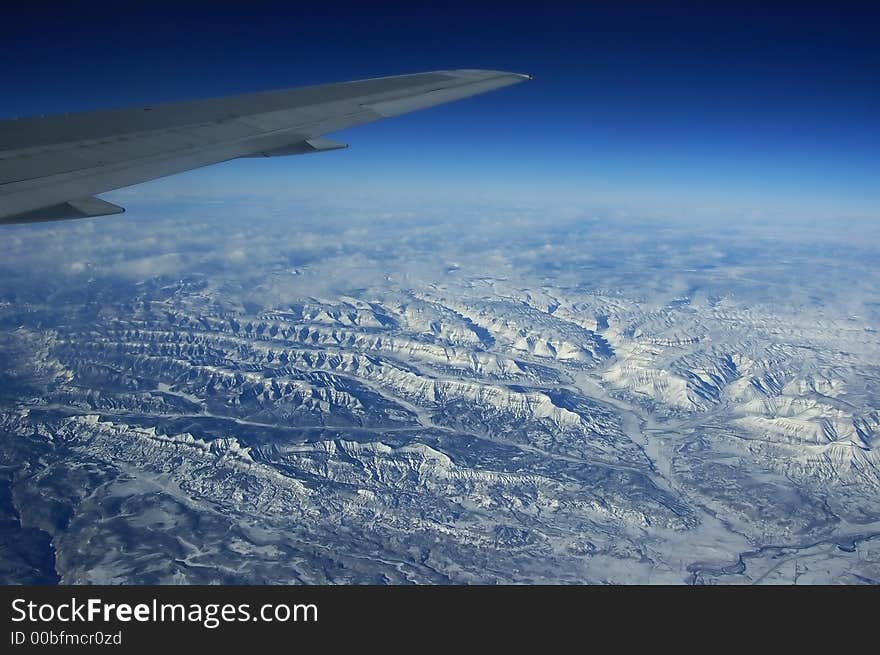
{"x": 478, "y": 74}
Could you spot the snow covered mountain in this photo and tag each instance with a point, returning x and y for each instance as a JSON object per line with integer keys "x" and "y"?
{"x": 563, "y": 400}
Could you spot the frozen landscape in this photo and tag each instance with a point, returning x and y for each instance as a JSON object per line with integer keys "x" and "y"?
{"x": 502, "y": 395}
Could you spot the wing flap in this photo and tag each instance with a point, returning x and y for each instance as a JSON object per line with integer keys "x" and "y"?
{"x": 306, "y": 147}
{"x": 72, "y": 209}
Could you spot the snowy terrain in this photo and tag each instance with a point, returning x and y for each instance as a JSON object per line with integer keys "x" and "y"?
{"x": 505, "y": 397}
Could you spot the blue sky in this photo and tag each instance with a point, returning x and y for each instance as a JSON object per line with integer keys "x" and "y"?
{"x": 679, "y": 109}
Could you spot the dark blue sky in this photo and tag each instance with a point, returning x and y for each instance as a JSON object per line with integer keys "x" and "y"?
{"x": 663, "y": 109}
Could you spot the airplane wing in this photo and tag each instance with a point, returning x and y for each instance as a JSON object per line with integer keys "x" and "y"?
{"x": 52, "y": 167}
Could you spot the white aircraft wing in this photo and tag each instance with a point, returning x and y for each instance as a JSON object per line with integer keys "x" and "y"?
{"x": 52, "y": 167}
